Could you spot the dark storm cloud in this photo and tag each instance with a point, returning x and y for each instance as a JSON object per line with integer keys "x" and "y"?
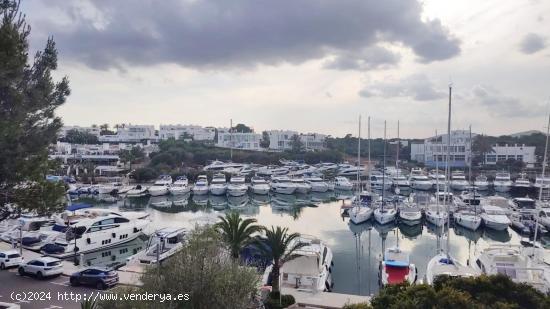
{"x": 503, "y": 105}
{"x": 245, "y": 33}
{"x": 418, "y": 87}
{"x": 374, "y": 57}
{"x": 532, "y": 43}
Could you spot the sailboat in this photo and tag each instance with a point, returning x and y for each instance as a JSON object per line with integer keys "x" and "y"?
{"x": 443, "y": 263}
{"x": 468, "y": 218}
{"x": 396, "y": 267}
{"x": 359, "y": 213}
{"x": 435, "y": 213}
{"x": 381, "y": 214}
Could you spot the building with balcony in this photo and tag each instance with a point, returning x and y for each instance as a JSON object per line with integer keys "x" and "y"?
{"x": 198, "y": 133}
{"x": 238, "y": 140}
{"x": 434, "y": 150}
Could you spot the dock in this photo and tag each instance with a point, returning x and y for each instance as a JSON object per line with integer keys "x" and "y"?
{"x": 325, "y": 300}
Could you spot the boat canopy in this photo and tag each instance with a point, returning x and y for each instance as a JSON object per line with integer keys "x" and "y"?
{"x": 305, "y": 265}
{"x": 78, "y": 206}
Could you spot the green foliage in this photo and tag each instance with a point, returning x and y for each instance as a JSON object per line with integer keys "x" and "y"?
{"x": 145, "y": 174}
{"x": 236, "y": 232}
{"x": 28, "y": 100}
{"x": 79, "y": 137}
{"x": 43, "y": 196}
{"x": 131, "y": 156}
{"x": 296, "y": 144}
{"x": 278, "y": 246}
{"x": 264, "y": 143}
{"x": 88, "y": 304}
{"x": 447, "y": 292}
{"x": 277, "y": 301}
{"x": 242, "y": 128}
{"x": 202, "y": 269}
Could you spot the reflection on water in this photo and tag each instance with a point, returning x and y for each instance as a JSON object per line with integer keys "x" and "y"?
{"x": 357, "y": 249}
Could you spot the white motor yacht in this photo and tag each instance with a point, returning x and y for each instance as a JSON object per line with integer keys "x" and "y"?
{"x": 481, "y": 183}
{"x": 137, "y": 191}
{"x": 108, "y": 188}
{"x": 420, "y": 182}
{"x": 180, "y": 186}
{"x": 259, "y": 186}
{"x": 342, "y": 183}
{"x": 384, "y": 215}
{"x": 272, "y": 170}
{"x": 400, "y": 183}
{"x": 95, "y": 233}
{"x": 444, "y": 264}
{"x": 236, "y": 186}
{"x": 218, "y": 185}
{"x": 379, "y": 181}
{"x": 523, "y": 204}
{"x": 494, "y": 217}
{"x": 317, "y": 184}
{"x": 160, "y": 187}
{"x": 458, "y": 181}
{"x": 502, "y": 182}
{"x": 513, "y": 262}
{"x": 162, "y": 244}
{"x": 436, "y": 215}
{"x": 348, "y": 170}
{"x": 438, "y": 180}
{"x": 282, "y": 185}
{"x": 410, "y": 214}
{"x": 544, "y": 217}
{"x": 522, "y": 183}
{"x": 201, "y": 185}
{"x": 301, "y": 185}
{"x": 309, "y": 271}
{"x": 467, "y": 219}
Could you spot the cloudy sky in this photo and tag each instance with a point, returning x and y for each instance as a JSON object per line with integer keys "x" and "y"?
{"x": 311, "y": 66}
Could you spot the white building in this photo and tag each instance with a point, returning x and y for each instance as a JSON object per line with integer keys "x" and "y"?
{"x": 435, "y": 148}
{"x": 197, "y": 132}
{"x": 238, "y": 140}
{"x": 131, "y": 134}
{"x": 514, "y": 152}
{"x": 91, "y": 130}
{"x": 281, "y": 140}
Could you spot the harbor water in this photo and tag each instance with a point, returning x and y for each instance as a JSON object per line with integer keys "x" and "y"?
{"x": 357, "y": 249}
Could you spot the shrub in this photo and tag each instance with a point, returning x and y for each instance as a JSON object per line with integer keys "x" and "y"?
{"x": 272, "y": 301}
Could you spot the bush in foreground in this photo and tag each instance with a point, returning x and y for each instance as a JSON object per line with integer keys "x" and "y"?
{"x": 479, "y": 292}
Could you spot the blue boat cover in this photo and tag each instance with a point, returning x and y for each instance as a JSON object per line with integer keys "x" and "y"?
{"x": 396, "y": 263}
{"x": 78, "y": 206}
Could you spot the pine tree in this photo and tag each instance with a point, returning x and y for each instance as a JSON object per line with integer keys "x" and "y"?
{"x": 28, "y": 100}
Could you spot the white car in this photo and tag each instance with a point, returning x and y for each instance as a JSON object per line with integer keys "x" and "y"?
{"x": 10, "y": 258}
{"x": 42, "y": 267}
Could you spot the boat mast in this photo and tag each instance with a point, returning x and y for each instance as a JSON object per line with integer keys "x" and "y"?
{"x": 368, "y": 145}
{"x": 397, "y": 156}
{"x": 470, "y": 161}
{"x": 359, "y": 161}
{"x": 384, "y": 169}
{"x": 231, "y": 139}
{"x": 542, "y": 185}
{"x": 437, "y": 176}
{"x": 447, "y": 172}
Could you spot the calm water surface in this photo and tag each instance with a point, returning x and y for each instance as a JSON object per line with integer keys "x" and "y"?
{"x": 357, "y": 249}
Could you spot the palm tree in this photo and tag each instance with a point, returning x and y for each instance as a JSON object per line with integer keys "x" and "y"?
{"x": 279, "y": 246}
{"x": 237, "y": 232}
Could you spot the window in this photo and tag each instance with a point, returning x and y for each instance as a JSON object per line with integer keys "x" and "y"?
{"x": 54, "y": 263}
{"x": 501, "y": 158}
{"x": 511, "y": 157}
{"x": 491, "y": 158}
{"x": 12, "y": 256}
{"x": 2, "y": 255}
{"x": 519, "y": 158}
{"x": 121, "y": 220}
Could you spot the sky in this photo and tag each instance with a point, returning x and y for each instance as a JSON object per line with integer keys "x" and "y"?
{"x": 305, "y": 65}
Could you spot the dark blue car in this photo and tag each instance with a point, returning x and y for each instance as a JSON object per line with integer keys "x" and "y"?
{"x": 98, "y": 277}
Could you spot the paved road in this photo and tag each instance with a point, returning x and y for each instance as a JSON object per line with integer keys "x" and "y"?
{"x": 57, "y": 288}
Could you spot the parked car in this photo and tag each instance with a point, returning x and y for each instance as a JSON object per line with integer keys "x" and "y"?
{"x": 42, "y": 267}
{"x": 98, "y": 277}
{"x": 10, "y": 258}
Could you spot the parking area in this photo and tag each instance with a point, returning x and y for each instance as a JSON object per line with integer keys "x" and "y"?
{"x": 32, "y": 293}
